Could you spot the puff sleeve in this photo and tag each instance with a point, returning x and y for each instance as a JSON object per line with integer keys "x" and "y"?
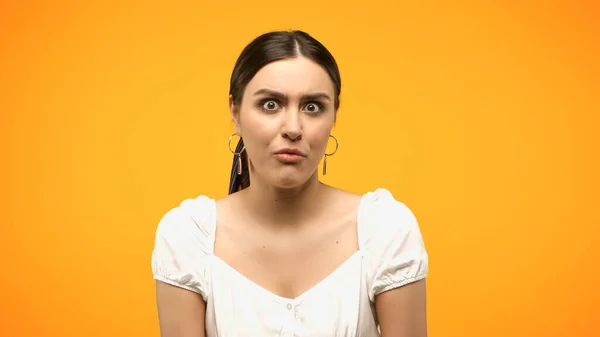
{"x": 394, "y": 246}
{"x": 183, "y": 243}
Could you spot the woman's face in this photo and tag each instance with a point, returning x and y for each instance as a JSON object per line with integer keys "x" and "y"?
{"x": 285, "y": 118}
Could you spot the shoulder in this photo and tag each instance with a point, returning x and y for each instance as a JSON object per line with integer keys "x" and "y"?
{"x": 381, "y": 205}
{"x": 191, "y": 220}
{"x": 183, "y": 241}
{"x": 391, "y": 239}
{"x": 344, "y": 200}
{"x": 382, "y": 217}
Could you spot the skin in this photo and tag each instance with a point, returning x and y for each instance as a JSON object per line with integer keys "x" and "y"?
{"x": 287, "y": 220}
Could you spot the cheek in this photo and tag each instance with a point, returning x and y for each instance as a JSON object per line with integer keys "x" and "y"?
{"x": 320, "y": 141}
{"x": 256, "y": 131}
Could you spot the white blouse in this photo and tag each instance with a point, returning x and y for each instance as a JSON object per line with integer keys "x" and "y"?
{"x": 391, "y": 254}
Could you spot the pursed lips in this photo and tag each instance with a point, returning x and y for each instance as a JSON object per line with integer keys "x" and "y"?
{"x": 289, "y": 155}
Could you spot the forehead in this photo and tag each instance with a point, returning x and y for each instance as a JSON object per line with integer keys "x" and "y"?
{"x": 293, "y": 76}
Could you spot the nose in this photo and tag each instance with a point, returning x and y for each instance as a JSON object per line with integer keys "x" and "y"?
{"x": 292, "y": 125}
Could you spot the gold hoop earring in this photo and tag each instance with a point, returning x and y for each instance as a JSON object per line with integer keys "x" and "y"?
{"x": 238, "y": 155}
{"x": 337, "y": 145}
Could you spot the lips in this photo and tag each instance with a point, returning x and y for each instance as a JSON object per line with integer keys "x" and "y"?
{"x": 289, "y": 155}
{"x": 291, "y": 151}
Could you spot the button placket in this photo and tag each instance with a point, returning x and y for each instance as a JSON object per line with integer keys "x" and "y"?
{"x": 289, "y": 325}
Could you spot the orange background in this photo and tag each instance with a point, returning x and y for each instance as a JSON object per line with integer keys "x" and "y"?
{"x": 483, "y": 119}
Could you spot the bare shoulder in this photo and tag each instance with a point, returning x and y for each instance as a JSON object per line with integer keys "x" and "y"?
{"x": 344, "y": 201}
{"x": 225, "y": 205}
{"x": 344, "y": 196}
{"x": 230, "y": 231}
{"x": 226, "y": 200}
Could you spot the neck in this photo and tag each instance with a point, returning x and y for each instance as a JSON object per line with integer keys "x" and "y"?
{"x": 284, "y": 207}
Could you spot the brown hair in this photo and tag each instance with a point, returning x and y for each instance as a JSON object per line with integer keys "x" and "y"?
{"x": 267, "y": 48}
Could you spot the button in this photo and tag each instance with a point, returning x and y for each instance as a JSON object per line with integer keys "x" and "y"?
{"x": 289, "y": 306}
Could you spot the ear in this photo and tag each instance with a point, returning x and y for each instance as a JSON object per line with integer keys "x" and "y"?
{"x": 235, "y": 115}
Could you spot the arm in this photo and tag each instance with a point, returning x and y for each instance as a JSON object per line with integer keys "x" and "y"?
{"x": 179, "y": 263}
{"x": 402, "y": 311}
{"x": 180, "y": 312}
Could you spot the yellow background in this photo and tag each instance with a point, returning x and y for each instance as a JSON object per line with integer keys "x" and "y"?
{"x": 482, "y": 119}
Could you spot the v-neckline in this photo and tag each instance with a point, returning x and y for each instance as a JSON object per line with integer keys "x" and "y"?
{"x": 280, "y": 298}
{"x": 313, "y": 288}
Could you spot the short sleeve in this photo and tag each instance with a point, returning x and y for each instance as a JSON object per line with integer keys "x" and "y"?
{"x": 392, "y": 240}
{"x": 183, "y": 244}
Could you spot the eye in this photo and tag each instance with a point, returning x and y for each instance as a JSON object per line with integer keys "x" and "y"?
{"x": 313, "y": 107}
{"x": 269, "y": 105}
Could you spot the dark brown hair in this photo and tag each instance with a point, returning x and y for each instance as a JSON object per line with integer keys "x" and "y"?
{"x": 267, "y": 48}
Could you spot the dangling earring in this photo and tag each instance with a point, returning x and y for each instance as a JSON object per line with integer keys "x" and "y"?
{"x": 238, "y": 155}
{"x": 337, "y": 144}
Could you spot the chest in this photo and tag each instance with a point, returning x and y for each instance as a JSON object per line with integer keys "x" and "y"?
{"x": 290, "y": 263}
{"x": 338, "y": 306}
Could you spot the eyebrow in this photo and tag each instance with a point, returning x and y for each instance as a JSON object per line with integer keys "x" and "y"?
{"x": 282, "y": 96}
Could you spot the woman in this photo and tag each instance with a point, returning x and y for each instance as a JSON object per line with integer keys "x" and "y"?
{"x": 284, "y": 254}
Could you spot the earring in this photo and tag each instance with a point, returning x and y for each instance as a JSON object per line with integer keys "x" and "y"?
{"x": 238, "y": 155}
{"x": 337, "y": 145}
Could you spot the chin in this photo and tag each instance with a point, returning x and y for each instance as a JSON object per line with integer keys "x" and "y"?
{"x": 289, "y": 180}
{"x": 288, "y": 183}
